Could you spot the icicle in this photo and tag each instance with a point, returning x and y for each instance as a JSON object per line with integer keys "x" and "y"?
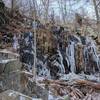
{"x": 90, "y": 49}
{"x": 99, "y": 60}
{"x": 42, "y": 69}
{"x": 67, "y": 61}
{"x": 15, "y": 42}
{"x": 71, "y": 54}
{"x": 61, "y": 62}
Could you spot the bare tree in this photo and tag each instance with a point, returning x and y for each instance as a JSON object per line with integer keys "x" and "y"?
{"x": 96, "y": 11}
{"x": 14, "y": 5}
{"x": 46, "y": 4}
{"x": 96, "y": 7}
{"x": 63, "y": 10}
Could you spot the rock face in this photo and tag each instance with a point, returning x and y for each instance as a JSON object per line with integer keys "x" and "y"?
{"x": 27, "y": 49}
{"x": 79, "y": 58}
{"x": 9, "y": 62}
{"x": 44, "y": 41}
{"x": 80, "y": 55}
{"x": 9, "y": 65}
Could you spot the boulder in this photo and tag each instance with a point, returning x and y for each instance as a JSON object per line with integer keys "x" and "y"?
{"x": 21, "y": 81}
{"x": 9, "y": 62}
{"x": 13, "y": 95}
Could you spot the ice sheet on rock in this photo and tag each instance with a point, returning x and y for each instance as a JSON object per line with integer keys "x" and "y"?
{"x": 11, "y": 93}
{"x": 40, "y": 78}
{"x": 94, "y": 77}
{"x": 71, "y": 77}
{"x": 42, "y": 69}
{"x": 15, "y": 42}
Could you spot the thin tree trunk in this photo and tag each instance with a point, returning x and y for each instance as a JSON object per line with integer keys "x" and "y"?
{"x": 96, "y": 11}
{"x": 12, "y": 6}
{"x": 97, "y": 15}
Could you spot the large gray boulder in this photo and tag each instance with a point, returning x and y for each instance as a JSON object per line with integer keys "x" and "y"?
{"x": 13, "y": 95}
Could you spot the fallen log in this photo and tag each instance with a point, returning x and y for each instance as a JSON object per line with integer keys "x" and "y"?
{"x": 63, "y": 83}
{"x": 89, "y": 83}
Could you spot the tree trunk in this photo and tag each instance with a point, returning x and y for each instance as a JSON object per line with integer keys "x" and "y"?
{"x": 96, "y": 11}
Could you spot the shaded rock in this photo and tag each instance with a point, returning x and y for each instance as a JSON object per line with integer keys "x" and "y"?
{"x": 19, "y": 81}
{"x": 9, "y": 65}
{"x": 9, "y": 62}
{"x": 79, "y": 58}
{"x": 13, "y": 95}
